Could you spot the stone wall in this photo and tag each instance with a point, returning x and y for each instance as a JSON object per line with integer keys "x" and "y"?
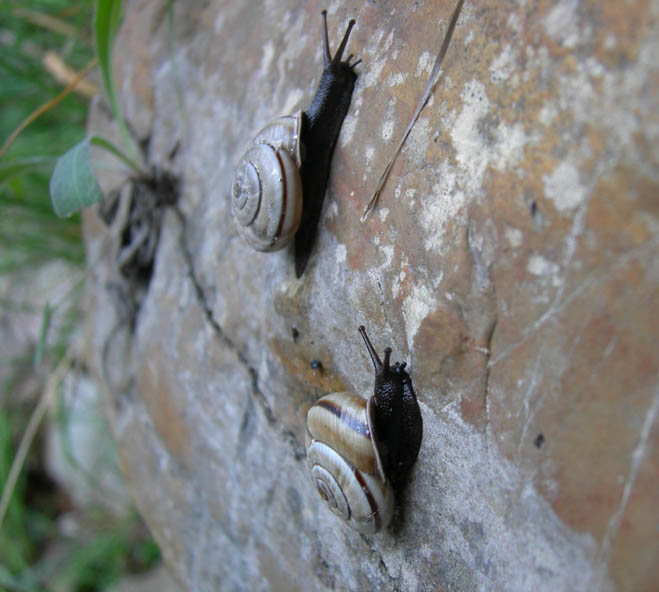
{"x": 512, "y": 262}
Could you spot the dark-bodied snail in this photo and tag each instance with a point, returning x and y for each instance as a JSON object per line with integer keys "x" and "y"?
{"x": 359, "y": 450}
{"x": 279, "y": 185}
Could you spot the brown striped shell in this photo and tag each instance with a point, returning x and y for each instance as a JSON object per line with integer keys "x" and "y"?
{"x": 345, "y": 463}
{"x": 266, "y": 193}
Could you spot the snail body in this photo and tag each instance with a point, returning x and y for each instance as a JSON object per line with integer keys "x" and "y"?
{"x": 279, "y": 184}
{"x": 359, "y": 450}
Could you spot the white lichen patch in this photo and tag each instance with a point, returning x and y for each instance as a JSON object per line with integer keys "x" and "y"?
{"x": 383, "y": 213}
{"x": 503, "y": 65}
{"x": 561, "y": 23}
{"x": 398, "y": 280}
{"x": 372, "y": 77}
{"x": 347, "y": 130}
{"x": 416, "y": 307}
{"x": 514, "y": 22}
{"x": 372, "y": 48}
{"x": 388, "y": 43}
{"x": 332, "y": 209}
{"x": 610, "y": 41}
{"x": 440, "y": 207}
{"x": 341, "y": 254}
{"x": 332, "y": 8}
{"x": 387, "y": 252}
{"x": 369, "y": 153}
{"x": 396, "y": 283}
{"x": 410, "y": 197}
{"x": 397, "y": 79}
{"x": 478, "y": 143}
{"x": 509, "y": 148}
{"x": 468, "y": 144}
{"x": 387, "y": 130}
{"x": 594, "y": 67}
{"x": 564, "y": 187}
{"x": 377, "y": 56}
{"x": 418, "y": 141}
{"x": 424, "y": 65}
{"x": 514, "y": 236}
{"x": 266, "y": 59}
{"x": 547, "y": 113}
{"x": 556, "y": 280}
{"x": 538, "y": 265}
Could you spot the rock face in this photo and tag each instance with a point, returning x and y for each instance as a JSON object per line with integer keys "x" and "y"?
{"x": 512, "y": 261}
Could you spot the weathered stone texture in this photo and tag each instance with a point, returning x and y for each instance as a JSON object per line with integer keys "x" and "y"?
{"x": 512, "y": 260}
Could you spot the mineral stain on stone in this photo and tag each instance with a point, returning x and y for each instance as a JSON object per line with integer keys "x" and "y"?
{"x": 565, "y": 84}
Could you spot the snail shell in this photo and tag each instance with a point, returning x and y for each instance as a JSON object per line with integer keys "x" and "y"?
{"x": 345, "y": 463}
{"x": 289, "y": 161}
{"x": 360, "y": 449}
{"x": 266, "y": 195}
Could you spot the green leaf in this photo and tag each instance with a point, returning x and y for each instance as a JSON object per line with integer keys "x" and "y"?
{"x": 106, "y": 23}
{"x": 73, "y": 184}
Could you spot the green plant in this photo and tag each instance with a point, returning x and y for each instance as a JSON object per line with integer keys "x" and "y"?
{"x": 35, "y": 553}
{"x": 73, "y": 184}
{"x": 29, "y": 233}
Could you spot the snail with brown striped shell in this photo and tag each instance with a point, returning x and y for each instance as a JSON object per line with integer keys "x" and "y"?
{"x": 279, "y": 185}
{"x": 359, "y": 450}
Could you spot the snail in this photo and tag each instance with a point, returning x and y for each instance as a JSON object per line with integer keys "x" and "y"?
{"x": 280, "y": 182}
{"x": 359, "y": 450}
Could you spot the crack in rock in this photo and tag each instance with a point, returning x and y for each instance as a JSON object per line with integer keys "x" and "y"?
{"x": 484, "y": 297}
{"x": 299, "y": 452}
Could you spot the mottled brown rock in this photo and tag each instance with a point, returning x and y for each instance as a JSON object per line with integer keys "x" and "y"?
{"x": 512, "y": 260}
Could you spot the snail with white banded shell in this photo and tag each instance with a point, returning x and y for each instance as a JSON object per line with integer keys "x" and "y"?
{"x": 360, "y": 450}
{"x": 279, "y": 185}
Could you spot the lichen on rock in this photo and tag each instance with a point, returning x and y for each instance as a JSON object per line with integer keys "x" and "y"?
{"x": 511, "y": 261}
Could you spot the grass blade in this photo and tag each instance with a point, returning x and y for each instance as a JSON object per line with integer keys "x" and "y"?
{"x": 31, "y": 430}
{"x": 106, "y": 23}
{"x": 110, "y": 147}
{"x": 47, "y": 106}
{"x": 430, "y": 87}
{"x": 46, "y": 318}
{"x": 18, "y": 166}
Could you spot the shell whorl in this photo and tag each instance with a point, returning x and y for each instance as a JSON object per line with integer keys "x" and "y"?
{"x": 345, "y": 463}
{"x": 266, "y": 193}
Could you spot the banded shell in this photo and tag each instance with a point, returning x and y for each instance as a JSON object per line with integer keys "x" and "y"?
{"x": 266, "y": 193}
{"x": 345, "y": 463}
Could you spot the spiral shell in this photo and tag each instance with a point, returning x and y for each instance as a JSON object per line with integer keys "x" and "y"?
{"x": 266, "y": 194}
{"x": 345, "y": 463}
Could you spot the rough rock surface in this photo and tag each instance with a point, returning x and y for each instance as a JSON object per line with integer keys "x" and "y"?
{"x": 512, "y": 261}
